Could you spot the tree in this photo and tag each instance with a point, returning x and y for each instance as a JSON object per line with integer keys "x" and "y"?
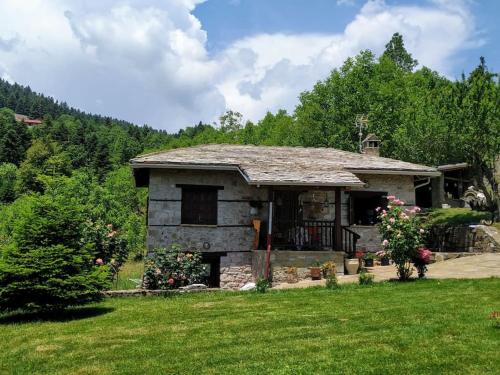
{"x": 42, "y": 158}
{"x": 477, "y": 128}
{"x": 14, "y": 138}
{"x": 7, "y": 182}
{"x": 231, "y": 121}
{"x": 45, "y": 264}
{"x": 396, "y": 51}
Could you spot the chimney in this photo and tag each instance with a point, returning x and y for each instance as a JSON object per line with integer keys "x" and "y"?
{"x": 371, "y": 145}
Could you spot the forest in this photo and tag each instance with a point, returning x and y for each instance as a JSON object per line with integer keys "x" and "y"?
{"x": 78, "y": 162}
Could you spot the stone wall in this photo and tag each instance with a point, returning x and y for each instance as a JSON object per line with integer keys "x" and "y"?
{"x": 234, "y": 230}
{"x": 370, "y": 240}
{"x": 236, "y": 270}
{"x": 485, "y": 239}
{"x": 282, "y": 259}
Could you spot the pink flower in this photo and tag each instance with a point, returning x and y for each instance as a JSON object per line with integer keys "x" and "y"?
{"x": 391, "y": 197}
{"x": 392, "y": 220}
{"x": 424, "y": 255}
{"x": 385, "y": 243}
{"x": 416, "y": 209}
{"x": 171, "y": 281}
{"x": 99, "y": 262}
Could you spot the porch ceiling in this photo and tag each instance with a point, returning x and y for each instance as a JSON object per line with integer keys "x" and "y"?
{"x": 265, "y": 165}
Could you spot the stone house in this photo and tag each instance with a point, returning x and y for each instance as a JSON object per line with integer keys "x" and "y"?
{"x": 251, "y": 210}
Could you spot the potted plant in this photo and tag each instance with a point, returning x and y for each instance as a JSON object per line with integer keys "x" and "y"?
{"x": 383, "y": 257}
{"x": 368, "y": 259}
{"x": 328, "y": 268}
{"x": 352, "y": 264}
{"x": 291, "y": 275}
{"x": 315, "y": 271}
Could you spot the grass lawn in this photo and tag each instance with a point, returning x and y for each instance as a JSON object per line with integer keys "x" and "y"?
{"x": 430, "y": 326}
{"x": 130, "y": 270}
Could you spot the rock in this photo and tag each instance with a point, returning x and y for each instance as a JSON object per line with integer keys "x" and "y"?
{"x": 194, "y": 287}
{"x": 248, "y": 286}
{"x": 439, "y": 257}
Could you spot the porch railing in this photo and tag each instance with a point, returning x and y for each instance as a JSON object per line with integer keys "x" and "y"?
{"x": 305, "y": 235}
{"x": 349, "y": 241}
{"x": 314, "y": 235}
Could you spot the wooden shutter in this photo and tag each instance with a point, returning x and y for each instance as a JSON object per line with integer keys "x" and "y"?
{"x": 199, "y": 205}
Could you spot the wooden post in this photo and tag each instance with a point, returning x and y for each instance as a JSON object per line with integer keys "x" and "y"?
{"x": 338, "y": 219}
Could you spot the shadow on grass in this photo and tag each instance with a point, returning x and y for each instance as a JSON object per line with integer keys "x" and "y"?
{"x": 73, "y": 313}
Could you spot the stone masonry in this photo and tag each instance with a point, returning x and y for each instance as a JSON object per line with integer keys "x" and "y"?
{"x": 236, "y": 270}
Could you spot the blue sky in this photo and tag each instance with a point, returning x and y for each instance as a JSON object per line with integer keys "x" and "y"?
{"x": 172, "y": 63}
{"x": 228, "y": 20}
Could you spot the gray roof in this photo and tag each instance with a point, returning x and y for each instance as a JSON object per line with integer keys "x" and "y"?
{"x": 272, "y": 165}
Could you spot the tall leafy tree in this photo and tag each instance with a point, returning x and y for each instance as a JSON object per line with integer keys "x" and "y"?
{"x": 477, "y": 128}
{"x": 396, "y": 51}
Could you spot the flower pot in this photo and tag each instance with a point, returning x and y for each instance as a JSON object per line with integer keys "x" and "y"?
{"x": 384, "y": 261}
{"x": 351, "y": 266}
{"x": 315, "y": 273}
{"x": 368, "y": 262}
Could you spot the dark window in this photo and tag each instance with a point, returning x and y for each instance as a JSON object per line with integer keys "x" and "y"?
{"x": 199, "y": 205}
{"x": 363, "y": 205}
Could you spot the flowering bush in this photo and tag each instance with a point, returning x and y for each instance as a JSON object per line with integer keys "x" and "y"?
{"x": 402, "y": 236}
{"x": 107, "y": 245}
{"x": 172, "y": 268}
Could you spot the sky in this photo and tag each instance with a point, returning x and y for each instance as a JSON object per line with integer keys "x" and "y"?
{"x": 173, "y": 63}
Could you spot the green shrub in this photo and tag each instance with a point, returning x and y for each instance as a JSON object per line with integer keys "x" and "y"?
{"x": 332, "y": 282}
{"x": 456, "y": 216}
{"x": 172, "y": 267}
{"x": 262, "y": 285}
{"x": 45, "y": 264}
{"x": 366, "y": 278}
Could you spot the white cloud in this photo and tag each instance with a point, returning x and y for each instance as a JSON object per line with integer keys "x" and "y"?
{"x": 147, "y": 61}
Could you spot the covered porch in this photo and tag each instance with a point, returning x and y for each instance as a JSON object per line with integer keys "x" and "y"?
{"x": 307, "y": 219}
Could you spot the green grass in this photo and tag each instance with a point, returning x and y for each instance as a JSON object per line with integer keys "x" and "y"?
{"x": 130, "y": 270}
{"x": 421, "y": 327}
{"x": 456, "y": 216}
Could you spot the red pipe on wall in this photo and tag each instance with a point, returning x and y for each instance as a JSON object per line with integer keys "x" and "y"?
{"x": 269, "y": 239}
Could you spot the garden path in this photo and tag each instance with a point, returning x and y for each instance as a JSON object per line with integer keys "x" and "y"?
{"x": 471, "y": 267}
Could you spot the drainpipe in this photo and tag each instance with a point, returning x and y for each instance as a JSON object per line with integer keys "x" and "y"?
{"x": 427, "y": 182}
{"x": 269, "y": 235}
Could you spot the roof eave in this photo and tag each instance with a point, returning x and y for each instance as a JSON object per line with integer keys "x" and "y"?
{"x": 309, "y": 184}
{"x": 395, "y": 172}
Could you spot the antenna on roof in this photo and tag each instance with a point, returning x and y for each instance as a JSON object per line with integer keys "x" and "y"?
{"x": 361, "y": 123}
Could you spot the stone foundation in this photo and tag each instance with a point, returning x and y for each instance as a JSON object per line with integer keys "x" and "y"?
{"x": 236, "y": 270}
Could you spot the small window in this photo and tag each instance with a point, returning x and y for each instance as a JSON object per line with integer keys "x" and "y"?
{"x": 199, "y": 205}
{"x": 363, "y": 206}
